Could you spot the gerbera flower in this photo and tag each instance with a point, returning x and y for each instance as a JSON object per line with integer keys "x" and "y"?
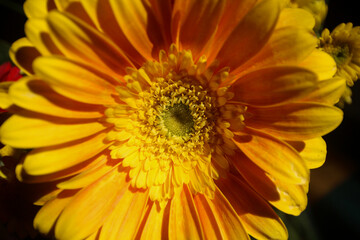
{"x": 343, "y": 44}
{"x": 170, "y": 119}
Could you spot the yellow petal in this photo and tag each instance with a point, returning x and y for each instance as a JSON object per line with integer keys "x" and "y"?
{"x": 5, "y": 100}
{"x": 52, "y": 159}
{"x": 328, "y": 91}
{"x": 273, "y": 85}
{"x": 37, "y": 8}
{"x": 274, "y": 156}
{"x": 184, "y": 220}
{"x": 23, "y": 53}
{"x": 295, "y": 17}
{"x": 295, "y": 121}
{"x": 258, "y": 218}
{"x": 143, "y": 32}
{"x": 198, "y": 17}
{"x": 37, "y": 96}
{"x": 90, "y": 207}
{"x": 80, "y": 42}
{"x": 37, "y": 31}
{"x": 250, "y": 34}
{"x": 313, "y": 151}
{"x": 126, "y": 216}
{"x": 75, "y": 80}
{"x": 23, "y": 132}
{"x": 46, "y": 218}
{"x": 321, "y": 63}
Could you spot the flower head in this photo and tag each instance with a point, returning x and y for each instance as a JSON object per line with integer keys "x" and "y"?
{"x": 170, "y": 118}
{"x": 343, "y": 45}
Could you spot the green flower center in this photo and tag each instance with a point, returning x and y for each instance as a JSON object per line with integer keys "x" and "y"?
{"x": 178, "y": 120}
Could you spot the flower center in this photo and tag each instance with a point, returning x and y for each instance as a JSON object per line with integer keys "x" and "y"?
{"x": 178, "y": 120}
{"x": 172, "y": 125}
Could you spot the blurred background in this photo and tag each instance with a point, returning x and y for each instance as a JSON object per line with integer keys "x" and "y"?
{"x": 333, "y": 211}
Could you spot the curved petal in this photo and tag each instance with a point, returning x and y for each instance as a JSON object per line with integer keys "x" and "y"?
{"x": 295, "y": 121}
{"x": 52, "y": 159}
{"x": 250, "y": 35}
{"x": 76, "y": 81}
{"x": 23, "y": 54}
{"x": 321, "y": 63}
{"x": 81, "y": 42}
{"x": 258, "y": 218}
{"x": 195, "y": 17}
{"x": 90, "y": 207}
{"x": 274, "y": 85}
{"x": 47, "y": 216}
{"x": 38, "y": 8}
{"x": 37, "y": 96}
{"x": 295, "y": 17}
{"x": 274, "y": 156}
{"x": 328, "y": 91}
{"x": 37, "y": 31}
{"x": 313, "y": 151}
{"x": 139, "y": 25}
{"x": 5, "y": 99}
{"x": 184, "y": 220}
{"x": 23, "y": 132}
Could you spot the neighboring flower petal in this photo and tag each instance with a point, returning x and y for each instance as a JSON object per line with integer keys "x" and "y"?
{"x": 51, "y": 159}
{"x": 258, "y": 218}
{"x": 184, "y": 219}
{"x": 295, "y": 121}
{"x": 33, "y": 132}
{"x": 250, "y": 35}
{"x": 286, "y": 84}
{"x": 285, "y": 163}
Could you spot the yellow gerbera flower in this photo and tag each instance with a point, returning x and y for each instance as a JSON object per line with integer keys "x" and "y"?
{"x": 170, "y": 119}
{"x": 343, "y": 45}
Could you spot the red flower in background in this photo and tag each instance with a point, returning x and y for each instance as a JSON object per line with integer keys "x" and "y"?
{"x": 8, "y": 73}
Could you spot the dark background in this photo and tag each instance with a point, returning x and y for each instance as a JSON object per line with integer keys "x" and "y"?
{"x": 334, "y": 199}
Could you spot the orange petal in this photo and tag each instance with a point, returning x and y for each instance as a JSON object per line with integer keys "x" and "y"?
{"x": 90, "y": 207}
{"x": 273, "y": 85}
{"x": 258, "y": 218}
{"x": 139, "y": 26}
{"x": 23, "y": 53}
{"x": 75, "y": 80}
{"x": 295, "y": 121}
{"x": 313, "y": 151}
{"x": 195, "y": 17}
{"x": 101, "y": 13}
{"x": 274, "y": 156}
{"x": 288, "y": 45}
{"x": 250, "y": 34}
{"x": 46, "y": 218}
{"x": 24, "y": 132}
{"x": 155, "y": 222}
{"x": 81, "y": 42}
{"x": 184, "y": 220}
{"x": 126, "y": 216}
{"x": 37, "y": 96}
{"x": 52, "y": 159}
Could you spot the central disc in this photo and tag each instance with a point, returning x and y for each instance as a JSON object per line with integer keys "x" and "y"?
{"x": 178, "y": 120}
